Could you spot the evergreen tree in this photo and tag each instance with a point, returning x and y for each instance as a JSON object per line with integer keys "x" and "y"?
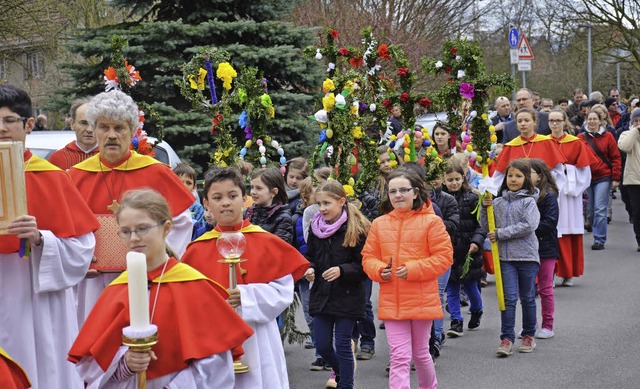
{"x": 163, "y": 35}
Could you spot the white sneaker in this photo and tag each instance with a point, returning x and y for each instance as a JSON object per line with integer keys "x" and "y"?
{"x": 544, "y": 334}
{"x": 567, "y": 282}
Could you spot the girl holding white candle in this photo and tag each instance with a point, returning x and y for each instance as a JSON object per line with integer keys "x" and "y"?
{"x": 188, "y": 354}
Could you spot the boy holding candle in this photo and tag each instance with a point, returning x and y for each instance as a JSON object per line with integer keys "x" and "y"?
{"x": 44, "y": 254}
{"x": 188, "y": 354}
{"x": 265, "y": 280}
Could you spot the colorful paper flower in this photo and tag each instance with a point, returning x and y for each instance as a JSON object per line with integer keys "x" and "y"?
{"x": 343, "y": 52}
{"x": 461, "y": 73}
{"x": 348, "y": 189}
{"x": 467, "y": 90}
{"x": 134, "y": 75}
{"x": 383, "y": 52}
{"x": 453, "y": 51}
{"x": 357, "y": 132}
{"x": 217, "y": 119}
{"x": 226, "y": 73}
{"x": 447, "y": 70}
{"x": 402, "y": 72}
{"x": 334, "y": 33}
{"x": 356, "y": 61}
{"x": 328, "y": 85}
{"x": 243, "y": 119}
{"x": 328, "y": 102}
{"x": 425, "y": 102}
{"x": 387, "y": 103}
{"x": 404, "y": 97}
{"x": 197, "y": 82}
{"x": 438, "y": 64}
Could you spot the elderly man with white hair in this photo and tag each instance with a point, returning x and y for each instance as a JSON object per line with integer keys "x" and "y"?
{"x": 105, "y": 177}
{"x": 503, "y": 115}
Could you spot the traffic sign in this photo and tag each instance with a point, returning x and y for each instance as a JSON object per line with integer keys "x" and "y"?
{"x": 524, "y": 65}
{"x": 524, "y": 49}
{"x": 514, "y": 37}
{"x": 513, "y": 55}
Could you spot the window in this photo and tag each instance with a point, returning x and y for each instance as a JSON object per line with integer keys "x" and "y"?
{"x": 3, "y": 68}
{"x": 33, "y": 65}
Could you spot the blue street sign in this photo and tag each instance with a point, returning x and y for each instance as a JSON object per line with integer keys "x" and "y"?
{"x": 514, "y": 37}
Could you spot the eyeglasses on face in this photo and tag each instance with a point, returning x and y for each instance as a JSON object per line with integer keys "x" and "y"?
{"x": 139, "y": 231}
{"x": 10, "y": 121}
{"x": 402, "y": 191}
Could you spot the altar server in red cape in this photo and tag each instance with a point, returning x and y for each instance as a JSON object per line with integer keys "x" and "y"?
{"x": 529, "y": 145}
{"x": 197, "y": 328}
{"x": 85, "y": 145}
{"x": 578, "y": 178}
{"x": 11, "y": 374}
{"x": 265, "y": 280}
{"x": 46, "y": 253}
{"x": 103, "y": 178}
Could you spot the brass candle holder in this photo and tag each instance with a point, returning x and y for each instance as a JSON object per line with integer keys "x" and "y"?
{"x": 231, "y": 245}
{"x": 140, "y": 344}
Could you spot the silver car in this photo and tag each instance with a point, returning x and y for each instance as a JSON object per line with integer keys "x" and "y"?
{"x": 45, "y": 143}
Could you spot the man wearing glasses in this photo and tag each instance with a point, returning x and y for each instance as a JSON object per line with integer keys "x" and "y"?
{"x": 85, "y": 145}
{"x": 115, "y": 169}
{"x": 524, "y": 99}
{"x": 44, "y": 255}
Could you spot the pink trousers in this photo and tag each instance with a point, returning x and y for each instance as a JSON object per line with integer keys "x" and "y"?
{"x": 409, "y": 339}
{"x": 545, "y": 290}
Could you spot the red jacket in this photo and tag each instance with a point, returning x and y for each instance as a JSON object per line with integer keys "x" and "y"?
{"x": 608, "y": 146}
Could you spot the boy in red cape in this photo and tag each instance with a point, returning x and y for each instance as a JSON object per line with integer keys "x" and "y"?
{"x": 43, "y": 256}
{"x": 265, "y": 280}
{"x": 197, "y": 329}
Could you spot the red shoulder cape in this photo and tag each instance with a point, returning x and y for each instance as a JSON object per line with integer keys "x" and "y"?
{"x": 54, "y": 201}
{"x": 268, "y": 258}
{"x": 135, "y": 172}
{"x": 540, "y": 146}
{"x": 574, "y": 149}
{"x": 11, "y": 374}
{"x": 194, "y": 322}
{"x": 70, "y": 155}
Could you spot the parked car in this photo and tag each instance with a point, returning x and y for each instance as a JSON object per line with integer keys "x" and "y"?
{"x": 429, "y": 120}
{"x": 45, "y": 143}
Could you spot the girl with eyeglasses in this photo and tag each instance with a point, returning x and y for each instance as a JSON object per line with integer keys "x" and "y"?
{"x": 578, "y": 178}
{"x": 406, "y": 250}
{"x": 188, "y": 354}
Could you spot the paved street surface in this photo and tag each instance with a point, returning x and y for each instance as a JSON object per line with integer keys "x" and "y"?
{"x": 597, "y": 327}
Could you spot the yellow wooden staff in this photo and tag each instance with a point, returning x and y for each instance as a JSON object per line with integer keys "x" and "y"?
{"x": 494, "y": 247}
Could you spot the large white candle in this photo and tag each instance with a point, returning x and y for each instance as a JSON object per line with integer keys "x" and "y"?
{"x": 138, "y": 295}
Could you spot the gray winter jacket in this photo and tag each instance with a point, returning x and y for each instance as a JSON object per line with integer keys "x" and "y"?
{"x": 517, "y": 219}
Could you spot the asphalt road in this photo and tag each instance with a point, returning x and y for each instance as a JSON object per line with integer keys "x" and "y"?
{"x": 596, "y": 343}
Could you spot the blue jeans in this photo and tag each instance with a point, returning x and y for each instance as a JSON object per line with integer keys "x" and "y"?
{"x": 365, "y": 329}
{"x": 597, "y": 208}
{"x": 303, "y": 291}
{"x": 453, "y": 297}
{"x": 438, "y": 325}
{"x": 340, "y": 358}
{"x": 519, "y": 276}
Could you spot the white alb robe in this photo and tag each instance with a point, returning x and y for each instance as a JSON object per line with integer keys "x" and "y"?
{"x": 570, "y": 220}
{"x": 215, "y": 371}
{"x": 260, "y": 305}
{"x": 89, "y": 289}
{"x": 37, "y": 309}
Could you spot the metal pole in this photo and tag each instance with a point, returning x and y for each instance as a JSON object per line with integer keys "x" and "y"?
{"x": 618, "y": 77}
{"x": 515, "y": 88}
{"x": 524, "y": 79}
{"x": 589, "y": 68}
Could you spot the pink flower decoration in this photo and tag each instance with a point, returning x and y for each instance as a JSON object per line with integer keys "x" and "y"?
{"x": 467, "y": 90}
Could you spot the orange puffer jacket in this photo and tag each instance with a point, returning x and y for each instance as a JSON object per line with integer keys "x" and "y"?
{"x": 418, "y": 240}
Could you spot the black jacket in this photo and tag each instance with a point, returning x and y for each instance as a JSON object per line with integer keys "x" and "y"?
{"x": 370, "y": 204}
{"x": 344, "y": 297}
{"x": 547, "y": 231}
{"x": 274, "y": 218}
{"x": 469, "y": 231}
{"x": 449, "y": 208}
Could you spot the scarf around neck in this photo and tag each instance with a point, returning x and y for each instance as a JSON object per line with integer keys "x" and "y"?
{"x": 322, "y": 229}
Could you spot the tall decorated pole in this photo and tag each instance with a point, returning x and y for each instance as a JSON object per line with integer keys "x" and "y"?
{"x": 465, "y": 97}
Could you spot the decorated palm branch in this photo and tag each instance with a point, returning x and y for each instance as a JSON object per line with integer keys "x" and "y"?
{"x": 123, "y": 76}
{"x": 242, "y": 103}
{"x": 465, "y": 98}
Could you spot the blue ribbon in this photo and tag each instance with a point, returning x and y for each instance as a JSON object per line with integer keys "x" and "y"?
{"x": 212, "y": 87}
